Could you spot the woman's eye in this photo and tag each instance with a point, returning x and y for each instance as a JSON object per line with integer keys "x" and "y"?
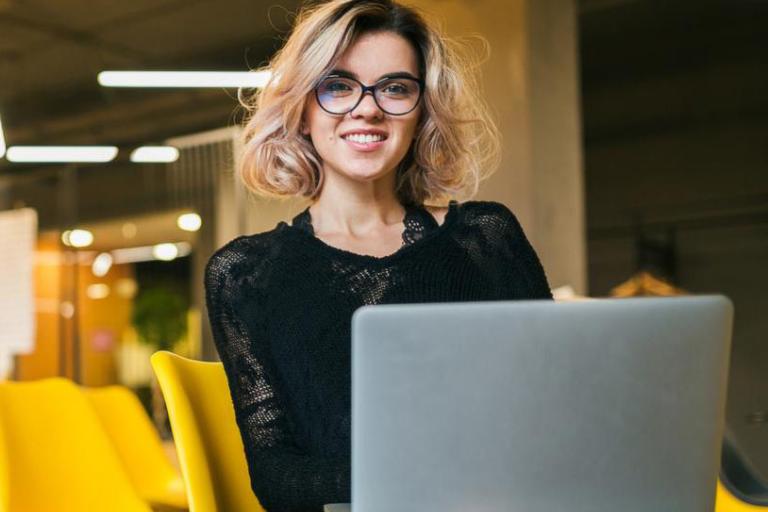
{"x": 396, "y": 89}
{"x": 337, "y": 86}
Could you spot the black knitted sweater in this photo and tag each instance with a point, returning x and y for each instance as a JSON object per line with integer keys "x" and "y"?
{"x": 280, "y": 305}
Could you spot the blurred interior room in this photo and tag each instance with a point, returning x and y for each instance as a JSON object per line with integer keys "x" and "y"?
{"x": 635, "y": 155}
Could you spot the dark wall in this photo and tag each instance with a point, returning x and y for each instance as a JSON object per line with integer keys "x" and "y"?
{"x": 676, "y": 152}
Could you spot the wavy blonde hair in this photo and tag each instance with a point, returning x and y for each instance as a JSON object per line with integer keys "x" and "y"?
{"x": 457, "y": 143}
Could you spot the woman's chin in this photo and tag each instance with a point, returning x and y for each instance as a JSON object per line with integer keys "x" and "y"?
{"x": 364, "y": 173}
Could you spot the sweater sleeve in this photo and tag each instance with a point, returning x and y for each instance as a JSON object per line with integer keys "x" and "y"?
{"x": 282, "y": 477}
{"x": 520, "y": 264}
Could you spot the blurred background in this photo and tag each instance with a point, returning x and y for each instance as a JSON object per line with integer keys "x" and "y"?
{"x": 635, "y": 155}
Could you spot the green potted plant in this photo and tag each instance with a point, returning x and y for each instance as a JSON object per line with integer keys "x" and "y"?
{"x": 160, "y": 319}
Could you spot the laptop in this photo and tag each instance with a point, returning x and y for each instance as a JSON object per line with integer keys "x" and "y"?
{"x": 536, "y": 406}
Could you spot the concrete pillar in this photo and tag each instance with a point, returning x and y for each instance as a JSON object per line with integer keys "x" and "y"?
{"x": 531, "y": 83}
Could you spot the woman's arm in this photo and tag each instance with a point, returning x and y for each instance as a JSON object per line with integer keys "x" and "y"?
{"x": 524, "y": 267}
{"x": 498, "y": 244}
{"x": 283, "y": 478}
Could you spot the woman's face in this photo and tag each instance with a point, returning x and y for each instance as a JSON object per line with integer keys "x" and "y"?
{"x": 337, "y": 138}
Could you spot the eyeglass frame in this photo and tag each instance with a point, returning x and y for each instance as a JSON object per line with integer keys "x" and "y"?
{"x": 372, "y": 90}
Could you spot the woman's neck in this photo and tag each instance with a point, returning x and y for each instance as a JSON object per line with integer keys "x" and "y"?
{"x": 355, "y": 217}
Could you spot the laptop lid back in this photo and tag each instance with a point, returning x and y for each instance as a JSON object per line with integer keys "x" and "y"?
{"x": 534, "y": 406}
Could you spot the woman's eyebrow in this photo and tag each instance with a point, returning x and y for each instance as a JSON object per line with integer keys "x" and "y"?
{"x": 398, "y": 74}
{"x": 343, "y": 72}
{"x": 349, "y": 74}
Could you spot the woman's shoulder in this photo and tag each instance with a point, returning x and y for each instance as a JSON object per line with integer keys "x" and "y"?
{"x": 485, "y": 208}
{"x": 490, "y": 217}
{"x": 244, "y": 255}
{"x": 471, "y": 210}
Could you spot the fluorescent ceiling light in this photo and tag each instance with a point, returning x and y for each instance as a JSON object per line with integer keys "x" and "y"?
{"x": 246, "y": 79}
{"x": 165, "y": 252}
{"x": 101, "y": 264}
{"x": 162, "y": 154}
{"x": 61, "y": 153}
{"x": 97, "y": 291}
{"x": 2, "y": 140}
{"x": 189, "y": 222}
{"x": 147, "y": 253}
{"x": 77, "y": 238}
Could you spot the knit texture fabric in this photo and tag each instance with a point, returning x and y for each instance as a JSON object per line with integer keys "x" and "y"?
{"x": 280, "y": 305}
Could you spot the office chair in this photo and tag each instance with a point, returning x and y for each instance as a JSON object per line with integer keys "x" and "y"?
{"x": 56, "y": 455}
{"x": 207, "y": 438}
{"x": 139, "y": 446}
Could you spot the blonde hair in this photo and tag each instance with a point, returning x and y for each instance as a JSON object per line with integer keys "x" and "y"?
{"x": 457, "y": 143}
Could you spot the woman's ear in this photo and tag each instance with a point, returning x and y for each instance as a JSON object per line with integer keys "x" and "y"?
{"x": 304, "y": 125}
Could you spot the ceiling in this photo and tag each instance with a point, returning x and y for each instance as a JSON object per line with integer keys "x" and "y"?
{"x": 649, "y": 67}
{"x": 51, "y": 52}
{"x": 145, "y": 230}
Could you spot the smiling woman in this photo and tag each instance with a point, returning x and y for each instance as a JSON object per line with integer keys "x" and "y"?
{"x": 371, "y": 114}
{"x": 359, "y": 140}
{"x": 335, "y": 49}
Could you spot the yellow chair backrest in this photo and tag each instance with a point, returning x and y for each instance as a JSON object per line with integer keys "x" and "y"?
{"x": 139, "y": 445}
{"x": 5, "y": 492}
{"x": 207, "y": 438}
{"x": 727, "y": 502}
{"x": 59, "y": 457}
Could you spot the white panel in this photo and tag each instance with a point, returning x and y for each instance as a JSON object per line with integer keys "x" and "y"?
{"x": 18, "y": 237}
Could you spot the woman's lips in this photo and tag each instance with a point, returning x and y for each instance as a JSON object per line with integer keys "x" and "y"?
{"x": 365, "y": 147}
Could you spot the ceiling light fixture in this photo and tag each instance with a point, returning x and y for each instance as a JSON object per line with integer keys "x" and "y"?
{"x": 184, "y": 79}
{"x": 40, "y": 154}
{"x": 101, "y": 264}
{"x": 189, "y": 222}
{"x": 147, "y": 253}
{"x": 165, "y": 252}
{"x": 157, "y": 154}
{"x": 77, "y": 238}
{"x": 97, "y": 291}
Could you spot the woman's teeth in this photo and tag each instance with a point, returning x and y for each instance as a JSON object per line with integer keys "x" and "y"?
{"x": 364, "y": 139}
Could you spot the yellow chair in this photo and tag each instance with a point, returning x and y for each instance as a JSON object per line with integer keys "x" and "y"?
{"x": 139, "y": 445}
{"x": 725, "y": 501}
{"x": 5, "y": 492}
{"x": 740, "y": 487}
{"x": 207, "y": 438}
{"x": 57, "y": 454}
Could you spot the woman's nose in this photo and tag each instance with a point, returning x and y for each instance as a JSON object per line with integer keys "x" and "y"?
{"x": 367, "y": 107}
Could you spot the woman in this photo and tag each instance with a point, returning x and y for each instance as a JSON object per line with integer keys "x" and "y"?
{"x": 370, "y": 114}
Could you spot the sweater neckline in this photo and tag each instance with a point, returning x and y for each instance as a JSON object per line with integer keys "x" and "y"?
{"x": 303, "y": 234}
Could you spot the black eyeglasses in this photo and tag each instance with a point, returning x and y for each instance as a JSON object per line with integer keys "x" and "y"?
{"x": 394, "y": 95}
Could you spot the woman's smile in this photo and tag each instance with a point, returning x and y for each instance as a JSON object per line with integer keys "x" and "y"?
{"x": 365, "y": 140}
